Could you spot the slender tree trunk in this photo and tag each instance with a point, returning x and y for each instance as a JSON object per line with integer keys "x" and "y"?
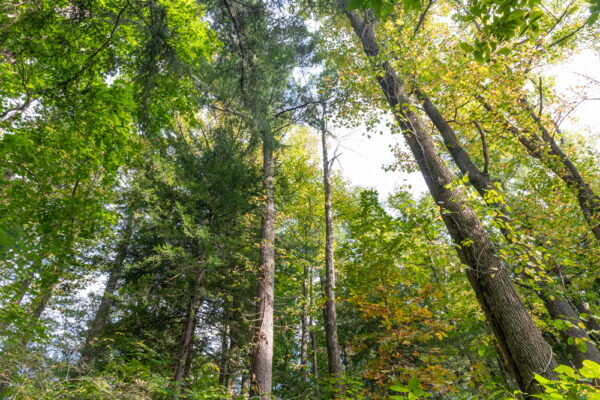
{"x": 304, "y": 336}
{"x": 261, "y": 372}
{"x": 187, "y": 336}
{"x": 313, "y": 342}
{"x": 557, "y": 305}
{"x": 245, "y": 386}
{"x": 224, "y": 364}
{"x": 523, "y": 346}
{"x": 334, "y": 360}
{"x": 102, "y": 312}
{"x": 546, "y": 150}
{"x": 40, "y": 305}
{"x": 18, "y": 299}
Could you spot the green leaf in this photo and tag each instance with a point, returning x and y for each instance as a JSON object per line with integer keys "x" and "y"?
{"x": 355, "y": 4}
{"x": 413, "y": 383}
{"x": 401, "y": 389}
{"x": 566, "y": 370}
{"x": 590, "y": 369}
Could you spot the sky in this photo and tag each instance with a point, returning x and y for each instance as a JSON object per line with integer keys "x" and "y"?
{"x": 361, "y": 159}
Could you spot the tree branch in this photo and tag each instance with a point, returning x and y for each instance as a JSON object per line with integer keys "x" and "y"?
{"x": 486, "y": 156}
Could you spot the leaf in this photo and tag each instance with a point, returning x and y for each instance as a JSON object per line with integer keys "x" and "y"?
{"x": 466, "y": 47}
{"x": 400, "y": 389}
{"x": 566, "y": 370}
{"x": 413, "y": 383}
{"x": 355, "y": 4}
{"x": 590, "y": 369}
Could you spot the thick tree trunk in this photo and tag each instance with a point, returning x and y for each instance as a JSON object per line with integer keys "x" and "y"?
{"x": 262, "y": 360}
{"x": 102, "y": 312}
{"x": 557, "y": 305}
{"x": 183, "y": 362}
{"x": 523, "y": 346}
{"x": 304, "y": 335}
{"x": 334, "y": 360}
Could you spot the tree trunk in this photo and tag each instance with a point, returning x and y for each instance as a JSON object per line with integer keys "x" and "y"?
{"x": 546, "y": 150}
{"x": 557, "y": 305}
{"x": 99, "y": 320}
{"x": 40, "y": 306}
{"x": 590, "y": 321}
{"x": 187, "y": 336}
{"x": 523, "y": 346}
{"x": 18, "y": 298}
{"x": 313, "y": 343}
{"x": 262, "y": 360}
{"x": 334, "y": 361}
{"x": 224, "y": 364}
{"x": 304, "y": 336}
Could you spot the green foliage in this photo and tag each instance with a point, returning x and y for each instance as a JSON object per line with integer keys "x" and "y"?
{"x": 572, "y": 384}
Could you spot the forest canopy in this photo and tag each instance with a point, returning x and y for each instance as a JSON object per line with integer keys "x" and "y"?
{"x": 174, "y": 223}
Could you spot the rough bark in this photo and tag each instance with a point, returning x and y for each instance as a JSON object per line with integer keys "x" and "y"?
{"x": 334, "y": 360}
{"x": 521, "y": 343}
{"x": 556, "y": 304}
{"x": 262, "y": 358}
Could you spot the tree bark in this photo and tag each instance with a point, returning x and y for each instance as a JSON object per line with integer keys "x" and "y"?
{"x": 224, "y": 364}
{"x": 523, "y": 346}
{"x": 182, "y": 366}
{"x": 313, "y": 342}
{"x": 262, "y": 360}
{"x": 304, "y": 335}
{"x": 556, "y": 304}
{"x": 334, "y": 360}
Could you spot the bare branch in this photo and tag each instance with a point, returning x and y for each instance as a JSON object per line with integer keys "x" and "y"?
{"x": 422, "y": 17}
{"x": 568, "y": 36}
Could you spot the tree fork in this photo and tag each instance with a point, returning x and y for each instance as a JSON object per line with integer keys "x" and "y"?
{"x": 526, "y": 351}
{"x": 556, "y": 304}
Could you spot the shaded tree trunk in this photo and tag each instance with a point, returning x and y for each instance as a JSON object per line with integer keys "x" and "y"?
{"x": 521, "y": 343}
{"x": 557, "y": 305}
{"x": 18, "y": 298}
{"x": 224, "y": 364}
{"x": 102, "y": 312}
{"x": 261, "y": 372}
{"x": 334, "y": 361}
{"x": 183, "y": 362}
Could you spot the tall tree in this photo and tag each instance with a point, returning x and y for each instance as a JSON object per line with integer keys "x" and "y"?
{"x": 334, "y": 360}
{"x": 522, "y": 345}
